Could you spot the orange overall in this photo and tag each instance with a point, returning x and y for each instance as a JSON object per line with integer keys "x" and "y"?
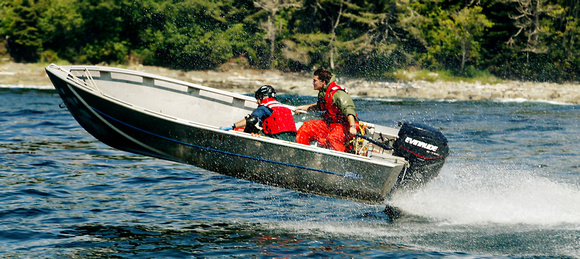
{"x": 332, "y": 135}
{"x": 332, "y": 132}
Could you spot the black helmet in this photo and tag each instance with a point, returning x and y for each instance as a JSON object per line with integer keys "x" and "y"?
{"x": 265, "y": 91}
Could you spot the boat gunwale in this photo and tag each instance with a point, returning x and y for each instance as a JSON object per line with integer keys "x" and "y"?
{"x": 154, "y": 76}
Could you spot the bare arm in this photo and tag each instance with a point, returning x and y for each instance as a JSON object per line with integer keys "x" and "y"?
{"x": 239, "y": 124}
{"x": 352, "y": 122}
{"x": 306, "y": 108}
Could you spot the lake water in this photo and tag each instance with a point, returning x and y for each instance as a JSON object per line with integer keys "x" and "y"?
{"x": 510, "y": 188}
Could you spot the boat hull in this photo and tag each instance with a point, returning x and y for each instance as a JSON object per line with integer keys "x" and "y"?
{"x": 259, "y": 159}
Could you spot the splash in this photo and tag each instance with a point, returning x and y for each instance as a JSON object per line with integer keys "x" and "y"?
{"x": 486, "y": 194}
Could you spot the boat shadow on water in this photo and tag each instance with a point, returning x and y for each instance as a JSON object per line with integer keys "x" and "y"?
{"x": 205, "y": 240}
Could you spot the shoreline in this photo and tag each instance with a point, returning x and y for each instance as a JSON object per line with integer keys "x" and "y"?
{"x": 247, "y": 81}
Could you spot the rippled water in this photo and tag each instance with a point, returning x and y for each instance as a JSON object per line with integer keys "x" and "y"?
{"x": 510, "y": 188}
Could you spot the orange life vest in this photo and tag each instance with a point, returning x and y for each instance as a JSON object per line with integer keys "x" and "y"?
{"x": 281, "y": 119}
{"x": 332, "y": 113}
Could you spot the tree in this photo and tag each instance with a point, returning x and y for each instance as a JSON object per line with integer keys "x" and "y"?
{"x": 19, "y": 23}
{"x": 309, "y": 45}
{"x": 60, "y": 24}
{"x": 272, "y": 7}
{"x": 450, "y": 35}
{"x": 377, "y": 45}
{"x": 198, "y": 35}
{"x": 323, "y": 33}
{"x": 541, "y": 40}
{"x": 331, "y": 43}
{"x": 527, "y": 20}
{"x": 467, "y": 26}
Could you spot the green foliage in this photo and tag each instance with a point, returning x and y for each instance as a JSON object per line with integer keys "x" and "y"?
{"x": 469, "y": 40}
{"x": 19, "y": 24}
{"x": 465, "y": 29}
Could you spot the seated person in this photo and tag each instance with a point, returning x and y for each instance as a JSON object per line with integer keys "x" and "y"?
{"x": 275, "y": 119}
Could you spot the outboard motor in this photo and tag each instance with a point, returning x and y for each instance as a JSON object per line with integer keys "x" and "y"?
{"x": 425, "y": 148}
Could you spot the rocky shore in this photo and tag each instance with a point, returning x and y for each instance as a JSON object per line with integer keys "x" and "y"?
{"x": 246, "y": 81}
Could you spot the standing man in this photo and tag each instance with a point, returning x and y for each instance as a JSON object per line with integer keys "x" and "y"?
{"x": 340, "y": 119}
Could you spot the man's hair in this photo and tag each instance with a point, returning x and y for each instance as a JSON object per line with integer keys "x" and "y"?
{"x": 323, "y": 75}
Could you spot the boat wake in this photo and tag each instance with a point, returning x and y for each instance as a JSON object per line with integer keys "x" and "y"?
{"x": 484, "y": 194}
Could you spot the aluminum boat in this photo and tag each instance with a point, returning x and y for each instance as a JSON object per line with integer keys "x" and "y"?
{"x": 179, "y": 121}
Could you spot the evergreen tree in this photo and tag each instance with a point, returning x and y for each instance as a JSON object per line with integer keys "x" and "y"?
{"x": 19, "y": 24}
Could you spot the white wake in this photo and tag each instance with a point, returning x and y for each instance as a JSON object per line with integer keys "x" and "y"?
{"x": 486, "y": 194}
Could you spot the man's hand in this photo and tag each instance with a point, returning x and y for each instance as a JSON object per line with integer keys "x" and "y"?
{"x": 301, "y": 109}
{"x": 352, "y": 130}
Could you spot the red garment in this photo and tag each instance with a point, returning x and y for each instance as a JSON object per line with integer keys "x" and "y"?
{"x": 331, "y": 112}
{"x": 281, "y": 119}
{"x": 332, "y": 135}
{"x": 332, "y": 132}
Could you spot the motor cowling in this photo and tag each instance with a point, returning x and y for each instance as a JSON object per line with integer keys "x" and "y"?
{"x": 425, "y": 148}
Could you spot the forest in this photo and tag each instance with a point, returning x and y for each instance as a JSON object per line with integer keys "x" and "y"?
{"x": 526, "y": 40}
